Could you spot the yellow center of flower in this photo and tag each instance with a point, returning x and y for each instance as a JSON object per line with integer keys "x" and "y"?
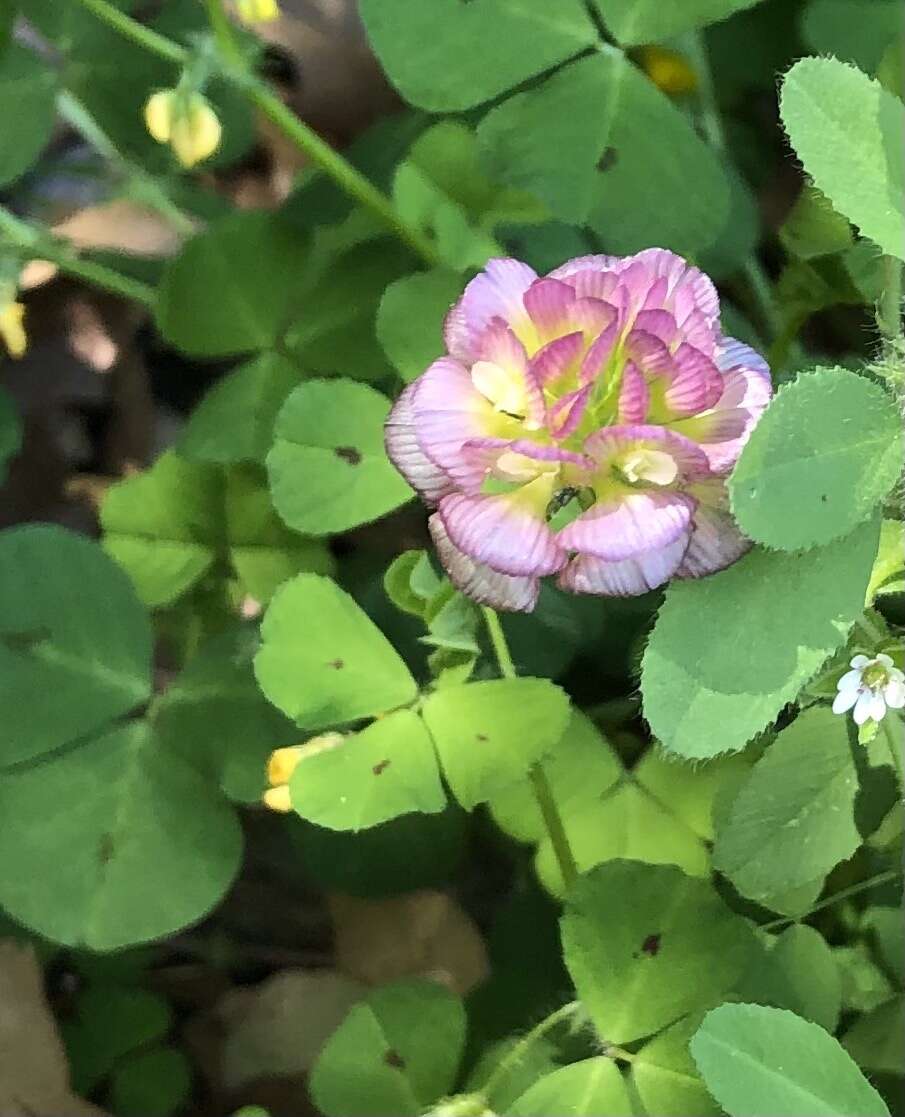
{"x": 653, "y": 466}
{"x": 503, "y": 387}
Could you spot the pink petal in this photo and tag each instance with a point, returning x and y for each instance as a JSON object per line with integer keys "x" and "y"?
{"x": 479, "y": 582}
{"x": 500, "y": 346}
{"x": 599, "y": 353}
{"x": 716, "y": 541}
{"x": 732, "y": 354}
{"x": 591, "y": 315}
{"x": 634, "y": 396}
{"x": 548, "y": 302}
{"x": 404, "y": 451}
{"x": 448, "y": 410}
{"x": 688, "y": 287}
{"x": 629, "y": 524}
{"x": 495, "y": 293}
{"x": 585, "y": 266}
{"x": 504, "y": 531}
{"x": 649, "y": 352}
{"x": 553, "y": 360}
{"x": 567, "y": 412}
{"x": 696, "y": 384}
{"x": 660, "y": 323}
{"x": 628, "y": 578}
{"x": 609, "y": 442}
{"x": 487, "y": 451}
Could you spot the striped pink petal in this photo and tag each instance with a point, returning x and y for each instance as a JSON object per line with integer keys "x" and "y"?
{"x": 660, "y": 323}
{"x": 495, "y": 293}
{"x": 404, "y": 451}
{"x": 566, "y": 414}
{"x": 507, "y": 532}
{"x": 634, "y": 395}
{"x": 447, "y": 411}
{"x": 609, "y": 442}
{"x": 627, "y": 578}
{"x": 548, "y": 302}
{"x": 629, "y": 524}
{"x": 591, "y": 315}
{"x": 696, "y": 383}
{"x": 500, "y": 346}
{"x": 478, "y": 581}
{"x": 555, "y": 359}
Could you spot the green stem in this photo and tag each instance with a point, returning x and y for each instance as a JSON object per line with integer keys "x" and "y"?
{"x": 143, "y": 187}
{"x": 35, "y": 244}
{"x": 309, "y": 142}
{"x": 889, "y": 312}
{"x": 521, "y": 1048}
{"x": 539, "y": 782}
{"x": 137, "y": 32}
{"x": 843, "y": 894}
{"x": 712, "y": 126}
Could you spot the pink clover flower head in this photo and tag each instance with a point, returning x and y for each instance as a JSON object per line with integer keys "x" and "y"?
{"x": 581, "y": 425}
{"x": 871, "y": 686}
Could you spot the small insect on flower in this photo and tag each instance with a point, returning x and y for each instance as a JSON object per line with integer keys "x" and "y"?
{"x": 870, "y": 687}
{"x": 186, "y": 122}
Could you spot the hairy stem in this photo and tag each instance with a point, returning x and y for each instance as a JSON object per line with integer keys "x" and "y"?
{"x": 895, "y": 742}
{"x": 539, "y": 782}
{"x": 837, "y": 897}
{"x": 515, "y": 1055}
{"x": 889, "y": 312}
{"x": 35, "y": 244}
{"x": 236, "y": 71}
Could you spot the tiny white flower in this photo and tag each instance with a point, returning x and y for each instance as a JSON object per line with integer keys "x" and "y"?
{"x": 870, "y": 687}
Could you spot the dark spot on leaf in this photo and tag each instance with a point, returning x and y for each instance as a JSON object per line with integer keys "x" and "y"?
{"x": 105, "y": 848}
{"x": 394, "y": 1059}
{"x": 382, "y": 766}
{"x": 481, "y": 736}
{"x": 823, "y": 498}
{"x": 337, "y": 664}
{"x": 348, "y": 454}
{"x": 651, "y": 945}
{"x": 608, "y": 159}
{"x": 25, "y": 641}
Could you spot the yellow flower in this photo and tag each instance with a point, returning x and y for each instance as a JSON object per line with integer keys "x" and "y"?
{"x": 668, "y": 70}
{"x": 186, "y": 122}
{"x": 12, "y": 329}
{"x": 257, "y": 11}
{"x": 278, "y": 799}
{"x": 282, "y": 764}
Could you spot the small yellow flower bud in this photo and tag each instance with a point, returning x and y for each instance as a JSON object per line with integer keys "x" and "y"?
{"x": 12, "y": 329}
{"x": 187, "y": 123}
{"x": 278, "y": 799}
{"x": 668, "y": 70}
{"x": 282, "y": 764}
{"x": 257, "y": 11}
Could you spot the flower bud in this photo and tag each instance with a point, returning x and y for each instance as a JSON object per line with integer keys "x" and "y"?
{"x": 668, "y": 70}
{"x": 257, "y": 11}
{"x": 186, "y": 122}
{"x": 278, "y": 799}
{"x": 283, "y": 763}
{"x": 12, "y": 328}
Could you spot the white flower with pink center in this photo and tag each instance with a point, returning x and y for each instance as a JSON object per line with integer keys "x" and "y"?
{"x": 581, "y": 425}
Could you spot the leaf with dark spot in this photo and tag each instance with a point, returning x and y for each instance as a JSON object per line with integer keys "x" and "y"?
{"x": 337, "y": 664}
{"x": 481, "y": 737}
{"x": 651, "y": 945}
{"x": 381, "y": 767}
{"x": 105, "y": 848}
{"x": 607, "y": 159}
{"x": 394, "y": 1059}
{"x": 348, "y": 454}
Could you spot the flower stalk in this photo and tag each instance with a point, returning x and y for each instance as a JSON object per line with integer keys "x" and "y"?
{"x": 543, "y": 793}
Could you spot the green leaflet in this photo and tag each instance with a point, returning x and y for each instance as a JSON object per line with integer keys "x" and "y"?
{"x": 729, "y": 651}
{"x": 796, "y": 970}
{"x": 95, "y": 838}
{"x": 644, "y": 21}
{"x": 666, "y": 1078}
{"x": 583, "y": 1089}
{"x": 793, "y": 818}
{"x": 650, "y": 154}
{"x": 233, "y": 288}
{"x": 827, "y": 450}
{"x": 385, "y": 770}
{"x": 828, "y": 106}
{"x": 410, "y": 319}
{"x": 489, "y": 734}
{"x": 328, "y": 467}
{"x": 234, "y": 421}
{"x": 443, "y": 55}
{"x": 758, "y": 1060}
{"x": 322, "y": 661}
{"x": 856, "y": 31}
{"x": 635, "y": 943}
{"x": 28, "y": 91}
{"x": 75, "y": 643}
{"x": 395, "y": 1053}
